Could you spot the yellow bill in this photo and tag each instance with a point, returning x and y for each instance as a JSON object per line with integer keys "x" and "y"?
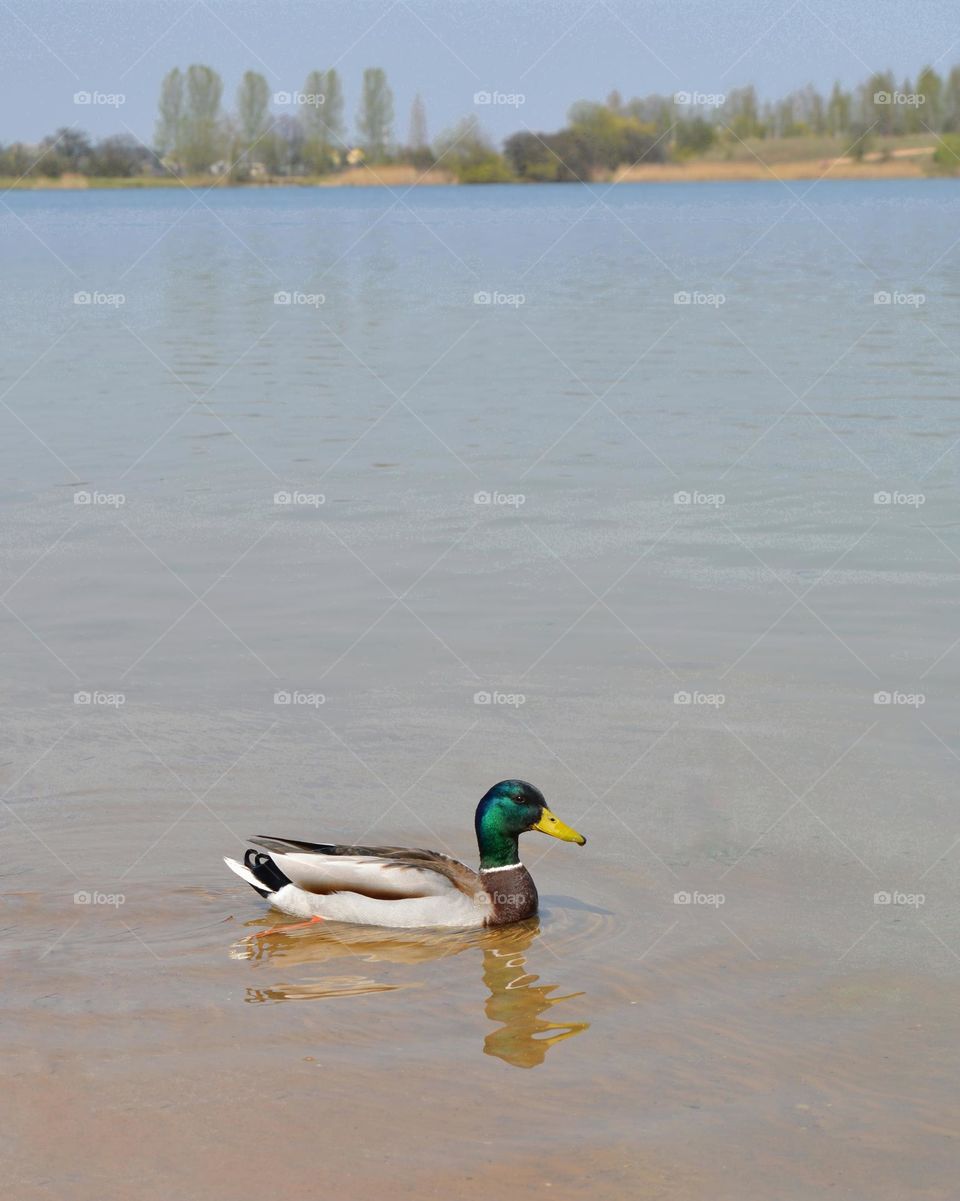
{"x": 549, "y": 823}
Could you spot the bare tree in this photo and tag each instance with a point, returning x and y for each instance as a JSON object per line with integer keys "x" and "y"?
{"x": 418, "y": 125}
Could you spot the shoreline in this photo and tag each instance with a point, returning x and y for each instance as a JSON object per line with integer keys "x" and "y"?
{"x": 900, "y": 164}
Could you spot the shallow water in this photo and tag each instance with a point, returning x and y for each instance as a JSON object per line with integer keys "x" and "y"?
{"x": 713, "y": 1002}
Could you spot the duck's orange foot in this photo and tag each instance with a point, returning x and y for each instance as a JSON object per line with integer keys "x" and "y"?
{"x": 286, "y": 929}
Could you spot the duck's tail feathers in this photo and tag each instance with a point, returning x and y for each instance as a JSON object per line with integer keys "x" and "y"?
{"x": 260, "y": 872}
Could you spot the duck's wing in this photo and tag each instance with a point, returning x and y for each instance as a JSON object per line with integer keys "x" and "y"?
{"x": 384, "y": 873}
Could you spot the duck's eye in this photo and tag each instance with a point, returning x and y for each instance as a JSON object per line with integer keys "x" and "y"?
{"x": 517, "y": 798}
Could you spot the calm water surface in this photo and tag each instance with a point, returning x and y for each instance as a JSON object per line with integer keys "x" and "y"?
{"x": 480, "y": 499}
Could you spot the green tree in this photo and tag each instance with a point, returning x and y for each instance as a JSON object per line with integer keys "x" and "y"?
{"x": 810, "y": 110}
{"x": 838, "y": 111}
{"x": 692, "y": 137}
{"x": 201, "y": 143}
{"x": 375, "y": 119}
{"x": 467, "y": 152}
{"x": 909, "y": 117}
{"x": 332, "y": 112}
{"x": 741, "y": 113}
{"x": 613, "y": 140}
{"x": 321, "y": 116}
{"x": 951, "y": 102}
{"x": 253, "y": 106}
{"x": 876, "y": 102}
{"x": 946, "y": 157}
{"x": 169, "y": 133}
{"x": 531, "y": 157}
{"x": 316, "y": 152}
{"x": 281, "y": 150}
{"x": 930, "y": 87}
{"x": 119, "y": 157}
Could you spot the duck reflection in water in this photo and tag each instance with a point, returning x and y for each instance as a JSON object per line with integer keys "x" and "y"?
{"x": 517, "y": 1002}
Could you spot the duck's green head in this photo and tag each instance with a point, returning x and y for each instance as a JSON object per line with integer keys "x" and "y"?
{"x": 507, "y": 811}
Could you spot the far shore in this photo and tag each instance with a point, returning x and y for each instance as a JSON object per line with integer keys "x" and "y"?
{"x": 905, "y": 163}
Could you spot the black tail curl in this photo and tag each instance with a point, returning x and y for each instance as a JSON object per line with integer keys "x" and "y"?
{"x": 266, "y": 871}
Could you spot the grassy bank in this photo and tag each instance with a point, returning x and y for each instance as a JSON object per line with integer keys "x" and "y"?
{"x": 386, "y": 175}
{"x": 759, "y": 159}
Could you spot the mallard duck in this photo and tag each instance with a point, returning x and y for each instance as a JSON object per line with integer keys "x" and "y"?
{"x": 394, "y": 886}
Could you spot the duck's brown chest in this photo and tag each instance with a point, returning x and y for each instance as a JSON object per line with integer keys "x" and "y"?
{"x": 512, "y": 893}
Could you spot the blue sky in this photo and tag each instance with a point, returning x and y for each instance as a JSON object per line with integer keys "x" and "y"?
{"x": 550, "y": 52}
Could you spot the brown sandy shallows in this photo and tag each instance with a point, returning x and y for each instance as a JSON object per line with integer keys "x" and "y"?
{"x": 906, "y": 163}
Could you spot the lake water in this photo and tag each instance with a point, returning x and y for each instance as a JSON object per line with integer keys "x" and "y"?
{"x": 484, "y": 498}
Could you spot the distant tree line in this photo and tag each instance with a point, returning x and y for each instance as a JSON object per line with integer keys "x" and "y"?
{"x": 657, "y": 128}
{"x": 194, "y": 134}
{"x": 308, "y": 135}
